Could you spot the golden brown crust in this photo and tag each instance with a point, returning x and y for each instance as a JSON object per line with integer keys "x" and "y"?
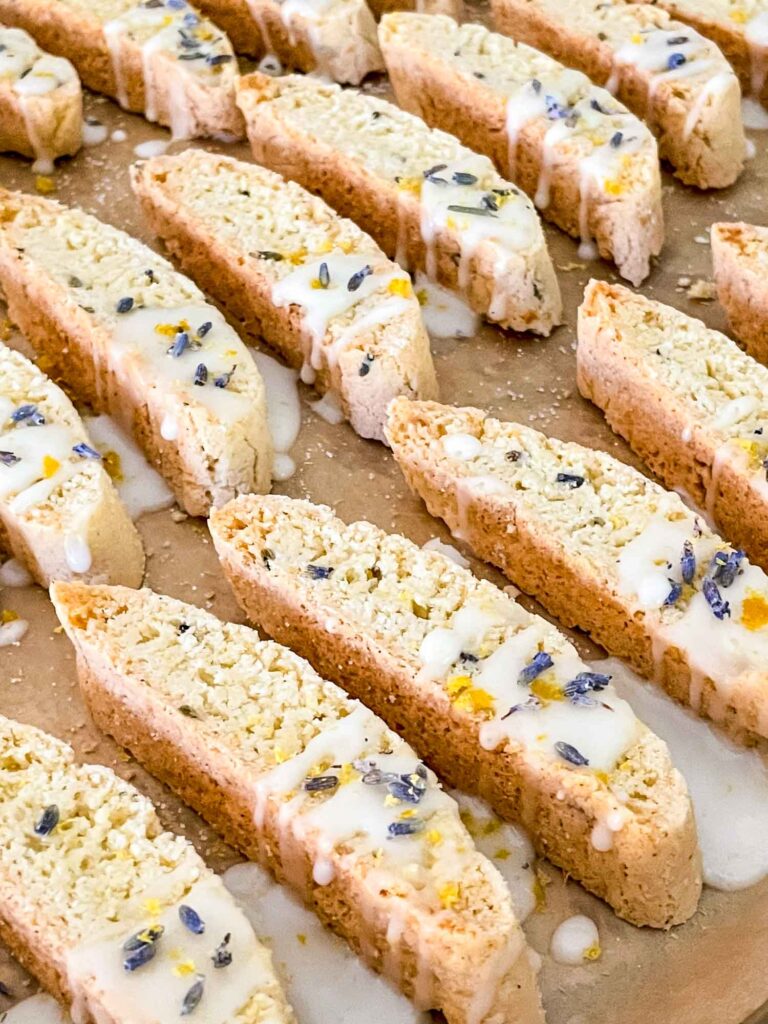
{"x": 738, "y": 252}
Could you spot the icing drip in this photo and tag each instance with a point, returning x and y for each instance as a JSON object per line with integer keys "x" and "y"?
{"x": 45, "y": 460}
{"x": 575, "y": 941}
{"x": 140, "y": 487}
{"x": 283, "y": 411}
{"x": 445, "y": 314}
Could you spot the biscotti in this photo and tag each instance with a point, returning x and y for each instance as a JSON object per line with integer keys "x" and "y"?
{"x": 739, "y": 28}
{"x": 453, "y": 8}
{"x": 288, "y": 269}
{"x": 134, "y": 338}
{"x": 589, "y": 165}
{"x": 495, "y": 699}
{"x": 336, "y": 38}
{"x": 312, "y": 785}
{"x": 156, "y": 57}
{"x": 740, "y": 261}
{"x": 59, "y": 512}
{"x": 428, "y": 201}
{"x": 115, "y": 917}
{"x": 664, "y": 71}
{"x": 688, "y": 401}
{"x": 41, "y": 102}
{"x": 603, "y": 548}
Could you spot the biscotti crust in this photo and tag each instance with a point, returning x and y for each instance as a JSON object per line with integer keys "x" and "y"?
{"x": 737, "y": 251}
{"x": 647, "y": 879}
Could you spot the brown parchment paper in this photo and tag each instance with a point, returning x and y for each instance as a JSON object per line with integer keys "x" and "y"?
{"x": 709, "y": 971}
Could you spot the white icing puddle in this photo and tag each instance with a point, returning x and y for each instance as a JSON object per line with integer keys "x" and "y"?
{"x": 448, "y": 550}
{"x": 323, "y": 978}
{"x": 728, "y": 783}
{"x": 328, "y": 409}
{"x": 94, "y": 133}
{"x": 283, "y": 410}
{"x": 150, "y": 148}
{"x": 14, "y": 574}
{"x": 754, "y": 114}
{"x": 13, "y": 632}
{"x": 575, "y": 941}
{"x": 39, "y": 1009}
{"x": 141, "y": 488}
{"x": 445, "y": 314}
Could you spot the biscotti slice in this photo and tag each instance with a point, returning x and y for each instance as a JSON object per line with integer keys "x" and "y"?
{"x": 41, "y": 102}
{"x": 290, "y": 270}
{"x": 335, "y": 38}
{"x": 602, "y": 548}
{"x": 740, "y": 260}
{"x": 688, "y": 401}
{"x": 589, "y": 165}
{"x": 59, "y": 511}
{"x": 428, "y": 201}
{"x": 115, "y": 917}
{"x": 665, "y": 72}
{"x": 312, "y": 785}
{"x": 453, "y": 8}
{"x": 495, "y": 699}
{"x": 739, "y": 28}
{"x": 137, "y": 340}
{"x": 159, "y": 58}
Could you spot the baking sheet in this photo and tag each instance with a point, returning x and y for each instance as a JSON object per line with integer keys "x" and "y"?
{"x": 709, "y": 971}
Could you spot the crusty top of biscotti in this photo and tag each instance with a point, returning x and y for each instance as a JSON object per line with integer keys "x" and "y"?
{"x": 137, "y": 929}
{"x": 29, "y": 71}
{"x": 638, "y": 541}
{"x": 154, "y": 316}
{"x": 327, "y": 759}
{"x": 748, "y": 242}
{"x": 740, "y": 16}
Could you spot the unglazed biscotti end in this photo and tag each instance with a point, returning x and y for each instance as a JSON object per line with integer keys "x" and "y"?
{"x": 491, "y": 696}
{"x": 604, "y": 549}
{"x": 108, "y": 941}
{"x": 41, "y": 102}
{"x": 161, "y": 60}
{"x": 664, "y": 71}
{"x": 740, "y": 258}
{"x": 702, "y": 403}
{"x": 311, "y": 784}
{"x": 138, "y": 340}
{"x": 386, "y": 170}
{"x": 291, "y": 271}
{"x": 60, "y": 514}
{"x": 590, "y": 165}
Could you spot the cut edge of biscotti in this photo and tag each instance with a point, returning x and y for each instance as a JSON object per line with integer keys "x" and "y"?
{"x": 480, "y": 234}
{"x": 287, "y": 267}
{"x": 471, "y": 676}
{"x": 141, "y": 343}
{"x": 60, "y": 513}
{"x": 697, "y": 115}
{"x": 739, "y": 260}
{"x": 114, "y": 937}
{"x": 323, "y": 792}
{"x": 610, "y": 154}
{"x": 637, "y": 568}
{"x": 41, "y": 102}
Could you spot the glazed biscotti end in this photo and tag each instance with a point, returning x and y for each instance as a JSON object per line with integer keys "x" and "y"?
{"x": 76, "y": 931}
{"x": 142, "y": 655}
{"x": 649, "y": 870}
{"x": 740, "y": 259}
{"x": 288, "y": 269}
{"x": 60, "y": 514}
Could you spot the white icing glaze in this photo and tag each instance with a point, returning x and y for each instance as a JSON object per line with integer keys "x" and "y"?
{"x": 462, "y": 446}
{"x": 77, "y": 553}
{"x": 753, "y": 114}
{"x": 283, "y": 410}
{"x": 45, "y": 461}
{"x": 39, "y": 1009}
{"x": 445, "y": 314}
{"x": 328, "y": 409}
{"x": 141, "y": 488}
{"x": 152, "y": 147}
{"x": 756, "y": 36}
{"x": 728, "y": 783}
{"x": 307, "y": 955}
{"x": 94, "y": 133}
{"x": 573, "y": 939}
{"x": 14, "y": 574}
{"x": 13, "y": 632}
{"x": 97, "y": 964}
{"x": 735, "y": 410}
{"x": 435, "y": 544}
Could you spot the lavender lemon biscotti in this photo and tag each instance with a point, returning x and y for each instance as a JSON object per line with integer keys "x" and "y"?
{"x": 115, "y": 917}
{"x": 664, "y": 71}
{"x": 136, "y": 339}
{"x": 59, "y": 512}
{"x": 688, "y": 401}
{"x": 312, "y": 785}
{"x": 739, "y": 28}
{"x": 427, "y": 200}
{"x": 590, "y": 166}
{"x": 291, "y": 271}
{"x": 603, "y": 548}
{"x": 156, "y": 57}
{"x": 41, "y": 102}
{"x": 740, "y": 260}
{"x": 336, "y": 38}
{"x": 495, "y": 699}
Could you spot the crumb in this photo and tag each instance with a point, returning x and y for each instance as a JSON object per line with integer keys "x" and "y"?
{"x": 702, "y": 291}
